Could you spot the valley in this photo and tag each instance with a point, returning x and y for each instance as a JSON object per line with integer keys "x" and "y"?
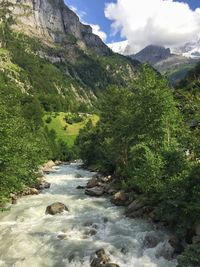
{"x": 113, "y": 124}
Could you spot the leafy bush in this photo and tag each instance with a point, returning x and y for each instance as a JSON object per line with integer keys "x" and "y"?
{"x": 73, "y": 118}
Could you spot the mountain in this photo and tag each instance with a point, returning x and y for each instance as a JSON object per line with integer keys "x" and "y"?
{"x": 173, "y": 65}
{"x": 191, "y": 50}
{"x": 48, "y": 53}
{"x": 53, "y": 22}
{"x": 152, "y": 54}
{"x": 122, "y": 48}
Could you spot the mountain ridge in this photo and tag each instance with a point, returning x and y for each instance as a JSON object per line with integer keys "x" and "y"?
{"x": 59, "y": 56}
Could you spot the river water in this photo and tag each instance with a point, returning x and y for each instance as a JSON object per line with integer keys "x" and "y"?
{"x": 29, "y": 238}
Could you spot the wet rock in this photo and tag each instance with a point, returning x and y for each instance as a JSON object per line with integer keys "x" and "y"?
{"x": 58, "y": 162}
{"x": 42, "y": 184}
{"x": 135, "y": 209}
{"x": 124, "y": 250}
{"x": 153, "y": 216}
{"x": 75, "y": 257}
{"x": 111, "y": 191}
{"x": 48, "y": 166}
{"x": 92, "y": 183}
{"x": 165, "y": 250}
{"x": 30, "y": 191}
{"x": 106, "y": 179}
{"x": 176, "y": 244}
{"x": 13, "y": 198}
{"x": 151, "y": 241}
{"x": 80, "y": 187}
{"x": 62, "y": 236}
{"x": 101, "y": 260}
{"x": 56, "y": 208}
{"x": 135, "y": 205}
{"x": 120, "y": 198}
{"x": 94, "y": 192}
{"x": 96, "y": 263}
{"x": 110, "y": 188}
{"x": 91, "y": 232}
{"x": 101, "y": 255}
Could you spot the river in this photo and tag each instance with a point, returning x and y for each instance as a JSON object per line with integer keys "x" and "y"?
{"x": 29, "y": 238}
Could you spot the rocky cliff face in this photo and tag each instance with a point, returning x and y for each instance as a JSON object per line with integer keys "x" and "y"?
{"x": 53, "y": 22}
{"x": 65, "y": 64}
{"x": 153, "y": 54}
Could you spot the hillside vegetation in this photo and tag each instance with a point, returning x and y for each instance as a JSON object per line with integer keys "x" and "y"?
{"x": 143, "y": 140}
{"x": 67, "y": 125}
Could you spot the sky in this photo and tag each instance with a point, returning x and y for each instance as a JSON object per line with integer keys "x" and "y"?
{"x": 168, "y": 23}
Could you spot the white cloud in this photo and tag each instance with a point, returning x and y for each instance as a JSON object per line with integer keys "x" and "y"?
{"x": 97, "y": 30}
{"x": 160, "y": 22}
{"x": 95, "y": 27}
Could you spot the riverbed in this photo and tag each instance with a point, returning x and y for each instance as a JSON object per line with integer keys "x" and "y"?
{"x": 29, "y": 238}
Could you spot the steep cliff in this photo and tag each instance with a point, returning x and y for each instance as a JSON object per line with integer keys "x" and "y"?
{"x": 53, "y": 21}
{"x": 63, "y": 62}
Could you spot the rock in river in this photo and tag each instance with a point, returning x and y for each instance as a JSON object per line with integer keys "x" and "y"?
{"x": 55, "y": 208}
{"x": 120, "y": 198}
{"x": 92, "y": 183}
{"x": 94, "y": 192}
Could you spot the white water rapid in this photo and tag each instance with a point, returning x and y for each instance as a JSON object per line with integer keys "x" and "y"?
{"x": 29, "y": 238}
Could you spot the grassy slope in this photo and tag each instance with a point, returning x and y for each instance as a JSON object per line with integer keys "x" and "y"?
{"x": 64, "y": 131}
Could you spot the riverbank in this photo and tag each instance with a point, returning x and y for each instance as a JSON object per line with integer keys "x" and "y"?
{"x": 40, "y": 184}
{"x": 135, "y": 207}
{"x": 72, "y": 238}
{"x": 138, "y": 206}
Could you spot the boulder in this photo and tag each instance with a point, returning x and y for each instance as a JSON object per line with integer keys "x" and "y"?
{"x": 91, "y": 232}
{"x": 58, "y": 162}
{"x": 42, "y": 184}
{"x": 135, "y": 209}
{"x": 48, "y": 166}
{"x": 55, "y": 208}
{"x": 96, "y": 263}
{"x": 102, "y": 260}
{"x": 13, "y": 198}
{"x": 33, "y": 191}
{"x": 92, "y": 183}
{"x": 101, "y": 254}
{"x": 135, "y": 205}
{"x": 120, "y": 198}
{"x": 106, "y": 179}
{"x": 151, "y": 241}
{"x": 165, "y": 250}
{"x": 30, "y": 191}
{"x": 94, "y": 192}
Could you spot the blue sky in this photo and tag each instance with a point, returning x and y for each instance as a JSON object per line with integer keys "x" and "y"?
{"x": 92, "y": 12}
